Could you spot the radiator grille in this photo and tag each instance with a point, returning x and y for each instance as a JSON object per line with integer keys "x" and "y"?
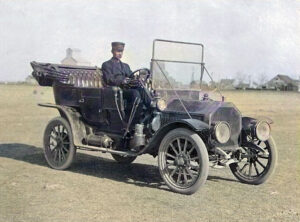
{"x": 233, "y": 117}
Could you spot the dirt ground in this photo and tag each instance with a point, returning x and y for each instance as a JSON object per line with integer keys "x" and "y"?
{"x": 96, "y": 188}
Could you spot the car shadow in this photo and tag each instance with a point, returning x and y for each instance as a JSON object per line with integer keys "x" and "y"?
{"x": 136, "y": 173}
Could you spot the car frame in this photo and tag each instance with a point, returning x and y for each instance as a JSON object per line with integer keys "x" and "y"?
{"x": 202, "y": 133}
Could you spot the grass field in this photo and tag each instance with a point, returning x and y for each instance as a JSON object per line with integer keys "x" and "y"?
{"x": 96, "y": 188}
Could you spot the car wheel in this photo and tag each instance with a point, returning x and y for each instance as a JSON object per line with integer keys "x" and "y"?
{"x": 59, "y": 149}
{"x": 255, "y": 167}
{"x": 123, "y": 159}
{"x": 183, "y": 161}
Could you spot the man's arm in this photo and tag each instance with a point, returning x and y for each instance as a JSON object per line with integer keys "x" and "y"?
{"x": 109, "y": 78}
{"x": 127, "y": 70}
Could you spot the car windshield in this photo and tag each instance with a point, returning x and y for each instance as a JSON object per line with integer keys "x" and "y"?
{"x": 178, "y": 72}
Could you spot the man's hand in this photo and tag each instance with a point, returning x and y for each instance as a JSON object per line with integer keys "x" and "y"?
{"x": 126, "y": 81}
{"x": 131, "y": 83}
{"x": 134, "y": 83}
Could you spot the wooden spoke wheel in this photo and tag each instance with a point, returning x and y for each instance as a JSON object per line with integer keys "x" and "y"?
{"x": 256, "y": 166}
{"x": 59, "y": 149}
{"x": 183, "y": 161}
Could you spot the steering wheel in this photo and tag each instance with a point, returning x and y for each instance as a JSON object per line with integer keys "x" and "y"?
{"x": 143, "y": 74}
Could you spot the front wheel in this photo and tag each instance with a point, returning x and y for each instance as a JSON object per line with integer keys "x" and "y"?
{"x": 183, "y": 161}
{"x": 59, "y": 149}
{"x": 255, "y": 167}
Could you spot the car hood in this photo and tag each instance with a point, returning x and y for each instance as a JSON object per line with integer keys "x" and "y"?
{"x": 204, "y": 107}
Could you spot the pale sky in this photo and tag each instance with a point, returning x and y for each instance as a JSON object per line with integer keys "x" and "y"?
{"x": 247, "y": 36}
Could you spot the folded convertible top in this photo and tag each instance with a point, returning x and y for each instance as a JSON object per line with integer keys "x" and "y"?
{"x": 48, "y": 73}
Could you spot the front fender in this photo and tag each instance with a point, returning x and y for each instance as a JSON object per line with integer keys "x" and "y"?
{"x": 193, "y": 124}
{"x": 73, "y": 117}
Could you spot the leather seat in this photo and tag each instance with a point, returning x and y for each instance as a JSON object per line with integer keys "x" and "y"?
{"x": 86, "y": 78}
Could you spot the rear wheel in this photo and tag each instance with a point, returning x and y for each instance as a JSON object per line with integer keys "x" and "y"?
{"x": 59, "y": 149}
{"x": 255, "y": 167}
{"x": 123, "y": 159}
{"x": 183, "y": 161}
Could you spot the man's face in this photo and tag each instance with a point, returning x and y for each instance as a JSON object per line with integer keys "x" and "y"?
{"x": 117, "y": 54}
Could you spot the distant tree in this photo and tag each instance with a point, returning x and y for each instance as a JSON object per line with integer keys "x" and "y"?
{"x": 262, "y": 78}
{"x": 239, "y": 77}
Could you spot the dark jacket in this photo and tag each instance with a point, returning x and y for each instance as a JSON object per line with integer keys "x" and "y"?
{"x": 115, "y": 71}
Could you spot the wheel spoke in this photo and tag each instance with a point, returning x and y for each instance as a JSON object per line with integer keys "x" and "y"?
{"x": 59, "y": 156}
{"x": 173, "y": 171}
{"x": 185, "y": 145}
{"x": 53, "y": 149}
{"x": 246, "y": 164}
{"x": 170, "y": 164}
{"x": 250, "y": 169}
{"x": 263, "y": 157}
{"x": 170, "y": 155}
{"x": 51, "y": 136}
{"x": 190, "y": 151}
{"x": 63, "y": 155}
{"x": 185, "y": 177}
{"x": 257, "y": 172}
{"x": 65, "y": 149}
{"x": 65, "y": 136}
{"x": 173, "y": 148}
{"x": 56, "y": 131}
{"x": 179, "y": 176}
{"x": 261, "y": 164}
{"x": 190, "y": 173}
{"x": 195, "y": 158}
{"x": 55, "y": 155}
{"x": 178, "y": 144}
{"x": 63, "y": 130}
{"x": 58, "y": 128}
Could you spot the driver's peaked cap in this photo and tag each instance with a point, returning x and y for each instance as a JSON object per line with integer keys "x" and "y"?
{"x": 117, "y": 46}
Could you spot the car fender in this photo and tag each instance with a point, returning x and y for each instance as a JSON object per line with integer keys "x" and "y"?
{"x": 73, "y": 117}
{"x": 193, "y": 124}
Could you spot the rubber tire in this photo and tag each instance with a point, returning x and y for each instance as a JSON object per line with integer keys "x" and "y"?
{"x": 72, "y": 151}
{"x": 122, "y": 159}
{"x": 201, "y": 148}
{"x": 261, "y": 179}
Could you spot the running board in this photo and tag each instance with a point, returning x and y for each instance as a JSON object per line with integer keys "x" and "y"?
{"x": 108, "y": 150}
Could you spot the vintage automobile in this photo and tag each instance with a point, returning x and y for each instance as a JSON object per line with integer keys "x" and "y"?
{"x": 185, "y": 126}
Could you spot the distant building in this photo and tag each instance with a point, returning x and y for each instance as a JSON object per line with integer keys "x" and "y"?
{"x": 73, "y": 57}
{"x": 242, "y": 86}
{"x": 227, "y": 84}
{"x": 283, "y": 83}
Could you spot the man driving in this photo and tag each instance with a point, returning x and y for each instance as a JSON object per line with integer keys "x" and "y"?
{"x": 115, "y": 72}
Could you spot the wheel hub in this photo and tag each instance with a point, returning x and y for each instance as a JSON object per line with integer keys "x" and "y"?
{"x": 59, "y": 142}
{"x": 181, "y": 160}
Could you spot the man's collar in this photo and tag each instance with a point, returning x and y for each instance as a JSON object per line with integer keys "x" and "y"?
{"x": 115, "y": 59}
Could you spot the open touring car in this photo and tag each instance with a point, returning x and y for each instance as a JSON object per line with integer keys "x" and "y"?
{"x": 186, "y": 125}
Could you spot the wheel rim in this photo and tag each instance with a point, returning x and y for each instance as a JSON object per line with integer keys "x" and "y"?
{"x": 254, "y": 163}
{"x": 181, "y": 162}
{"x": 58, "y": 147}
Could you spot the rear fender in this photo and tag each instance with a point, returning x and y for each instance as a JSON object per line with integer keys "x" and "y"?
{"x": 195, "y": 125}
{"x": 73, "y": 117}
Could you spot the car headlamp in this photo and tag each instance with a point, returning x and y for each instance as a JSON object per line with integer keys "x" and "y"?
{"x": 222, "y": 132}
{"x": 262, "y": 130}
{"x": 161, "y": 104}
